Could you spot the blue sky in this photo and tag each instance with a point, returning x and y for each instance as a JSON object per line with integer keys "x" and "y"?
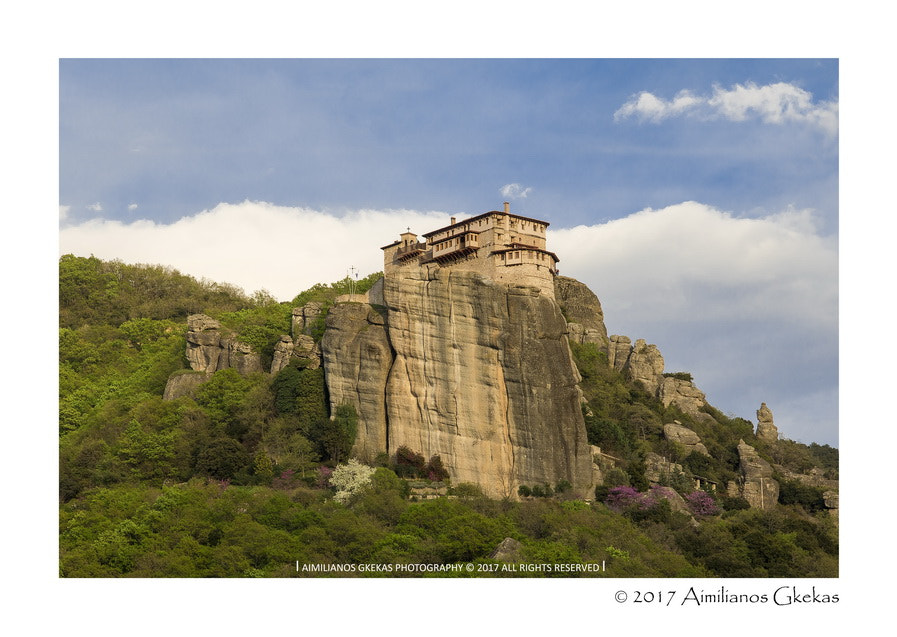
{"x": 175, "y": 137}
{"x": 697, "y": 198}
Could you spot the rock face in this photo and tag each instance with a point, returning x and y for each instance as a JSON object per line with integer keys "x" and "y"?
{"x": 582, "y": 309}
{"x": 184, "y": 384}
{"x": 646, "y": 366}
{"x": 766, "y": 429}
{"x": 756, "y": 485}
{"x": 619, "y": 349}
{"x": 302, "y": 350}
{"x": 675, "y": 432}
{"x": 283, "y": 352}
{"x": 659, "y": 470}
{"x": 208, "y": 350}
{"x": 305, "y": 317}
{"x": 357, "y": 360}
{"x": 683, "y": 394}
{"x": 484, "y": 378}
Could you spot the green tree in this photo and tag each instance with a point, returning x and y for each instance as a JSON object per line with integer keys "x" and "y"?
{"x": 222, "y": 459}
{"x": 335, "y": 437}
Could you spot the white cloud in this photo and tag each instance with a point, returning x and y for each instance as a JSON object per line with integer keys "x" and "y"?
{"x": 95, "y": 207}
{"x": 777, "y": 103}
{"x": 515, "y": 191}
{"x": 749, "y": 306}
{"x": 254, "y": 244}
{"x": 132, "y": 207}
{"x": 776, "y": 267}
{"x": 64, "y": 212}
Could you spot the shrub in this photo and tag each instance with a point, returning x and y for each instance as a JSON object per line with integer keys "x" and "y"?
{"x": 794, "y": 492}
{"x": 702, "y": 504}
{"x": 334, "y": 438}
{"x": 736, "y": 503}
{"x": 349, "y": 479}
{"x": 435, "y": 470}
{"x": 222, "y": 459}
{"x": 621, "y": 498}
{"x": 409, "y": 464}
{"x": 616, "y": 477}
{"x": 680, "y": 376}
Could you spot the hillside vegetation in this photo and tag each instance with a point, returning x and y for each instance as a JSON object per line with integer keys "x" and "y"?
{"x": 249, "y": 476}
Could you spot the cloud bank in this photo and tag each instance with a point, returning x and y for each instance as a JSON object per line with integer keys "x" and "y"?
{"x": 254, "y": 245}
{"x": 748, "y": 305}
{"x": 778, "y": 103}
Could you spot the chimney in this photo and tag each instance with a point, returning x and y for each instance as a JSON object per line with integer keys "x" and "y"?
{"x": 453, "y": 221}
{"x": 507, "y": 207}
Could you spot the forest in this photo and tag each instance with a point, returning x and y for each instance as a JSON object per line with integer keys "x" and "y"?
{"x": 251, "y": 475}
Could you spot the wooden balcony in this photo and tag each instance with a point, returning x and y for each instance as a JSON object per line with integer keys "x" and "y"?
{"x": 458, "y": 245}
{"x": 410, "y": 251}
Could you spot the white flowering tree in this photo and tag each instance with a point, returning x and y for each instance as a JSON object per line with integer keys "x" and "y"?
{"x": 349, "y": 479}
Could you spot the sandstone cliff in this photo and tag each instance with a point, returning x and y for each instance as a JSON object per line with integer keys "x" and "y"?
{"x": 582, "y": 309}
{"x": 357, "y": 360}
{"x": 474, "y": 371}
{"x": 484, "y": 378}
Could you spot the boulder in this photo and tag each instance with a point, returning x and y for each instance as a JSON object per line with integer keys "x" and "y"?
{"x": 675, "y": 432}
{"x": 184, "y": 383}
{"x": 508, "y": 550}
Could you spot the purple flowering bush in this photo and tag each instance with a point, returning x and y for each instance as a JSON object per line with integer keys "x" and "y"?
{"x": 621, "y": 498}
{"x": 658, "y": 493}
{"x": 702, "y": 504}
{"x": 324, "y": 474}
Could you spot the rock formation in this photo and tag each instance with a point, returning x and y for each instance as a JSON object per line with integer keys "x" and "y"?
{"x": 582, "y": 309}
{"x": 508, "y": 550}
{"x": 766, "y": 429}
{"x": 659, "y": 470}
{"x": 675, "y": 432}
{"x": 301, "y": 350}
{"x": 619, "y": 349}
{"x": 683, "y": 394}
{"x": 208, "y": 350}
{"x": 184, "y": 383}
{"x": 283, "y": 352}
{"x": 645, "y": 366}
{"x": 305, "y": 317}
{"x": 756, "y": 484}
{"x": 484, "y": 378}
{"x": 357, "y": 360}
